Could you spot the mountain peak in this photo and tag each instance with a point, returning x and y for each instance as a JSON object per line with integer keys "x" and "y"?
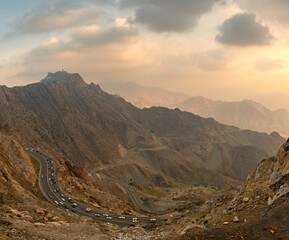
{"x": 62, "y": 76}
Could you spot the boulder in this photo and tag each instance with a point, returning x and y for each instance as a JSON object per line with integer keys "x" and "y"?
{"x": 40, "y": 211}
{"x": 246, "y": 199}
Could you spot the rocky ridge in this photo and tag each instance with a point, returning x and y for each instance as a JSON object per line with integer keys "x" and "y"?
{"x": 82, "y": 123}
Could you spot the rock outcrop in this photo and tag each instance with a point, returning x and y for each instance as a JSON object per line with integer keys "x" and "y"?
{"x": 259, "y": 210}
{"x": 267, "y": 187}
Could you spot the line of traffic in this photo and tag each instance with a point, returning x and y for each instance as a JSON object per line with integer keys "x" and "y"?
{"x": 54, "y": 195}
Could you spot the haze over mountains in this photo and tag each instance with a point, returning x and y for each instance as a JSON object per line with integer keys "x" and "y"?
{"x": 152, "y": 150}
{"x": 142, "y": 96}
{"x": 65, "y": 115}
{"x": 245, "y": 114}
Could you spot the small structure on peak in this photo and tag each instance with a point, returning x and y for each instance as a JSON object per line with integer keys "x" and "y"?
{"x": 62, "y": 76}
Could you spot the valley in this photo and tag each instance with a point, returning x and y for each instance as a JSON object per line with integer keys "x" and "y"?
{"x": 53, "y": 194}
{"x": 152, "y": 171}
{"x": 144, "y": 120}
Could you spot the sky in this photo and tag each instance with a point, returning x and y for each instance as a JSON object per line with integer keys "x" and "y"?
{"x": 220, "y": 49}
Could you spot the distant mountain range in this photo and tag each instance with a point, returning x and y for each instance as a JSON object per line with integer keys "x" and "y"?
{"x": 244, "y": 114}
{"x": 90, "y": 127}
{"x": 142, "y": 96}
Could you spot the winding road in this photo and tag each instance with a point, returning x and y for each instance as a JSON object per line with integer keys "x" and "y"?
{"x": 130, "y": 190}
{"x": 51, "y": 191}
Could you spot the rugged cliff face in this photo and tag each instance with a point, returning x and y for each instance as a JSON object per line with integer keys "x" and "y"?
{"x": 259, "y": 210}
{"x": 18, "y": 177}
{"x": 66, "y": 116}
{"x": 270, "y": 180}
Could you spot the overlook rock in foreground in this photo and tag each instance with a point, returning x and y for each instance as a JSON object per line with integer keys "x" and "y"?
{"x": 259, "y": 210}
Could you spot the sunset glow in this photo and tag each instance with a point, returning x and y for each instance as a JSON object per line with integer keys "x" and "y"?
{"x": 225, "y": 50}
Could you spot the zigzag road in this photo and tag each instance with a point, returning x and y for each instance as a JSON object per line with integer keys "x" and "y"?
{"x": 50, "y": 189}
{"x": 135, "y": 199}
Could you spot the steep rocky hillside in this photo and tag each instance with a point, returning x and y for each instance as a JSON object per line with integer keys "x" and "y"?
{"x": 18, "y": 178}
{"x": 90, "y": 127}
{"x": 259, "y": 210}
{"x": 26, "y": 214}
{"x": 229, "y": 150}
{"x": 142, "y": 96}
{"x": 245, "y": 114}
{"x": 79, "y": 120}
{"x": 270, "y": 180}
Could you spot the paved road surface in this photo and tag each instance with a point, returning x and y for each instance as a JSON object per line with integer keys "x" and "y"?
{"x": 130, "y": 190}
{"x": 53, "y": 193}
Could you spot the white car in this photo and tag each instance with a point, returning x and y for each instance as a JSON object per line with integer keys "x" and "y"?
{"x": 121, "y": 217}
{"x": 108, "y": 217}
{"x": 134, "y": 220}
{"x": 56, "y": 202}
{"x": 88, "y": 209}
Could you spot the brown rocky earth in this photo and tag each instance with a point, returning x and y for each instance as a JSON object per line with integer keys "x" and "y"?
{"x": 259, "y": 210}
{"x": 82, "y": 123}
{"x": 24, "y": 212}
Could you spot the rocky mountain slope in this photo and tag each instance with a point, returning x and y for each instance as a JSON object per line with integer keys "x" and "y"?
{"x": 66, "y": 116}
{"x": 18, "y": 179}
{"x": 270, "y": 180}
{"x": 245, "y": 114}
{"x": 229, "y": 150}
{"x": 26, "y": 214}
{"x": 142, "y": 96}
{"x": 259, "y": 210}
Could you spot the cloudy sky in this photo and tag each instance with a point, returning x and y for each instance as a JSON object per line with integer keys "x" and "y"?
{"x": 220, "y": 49}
